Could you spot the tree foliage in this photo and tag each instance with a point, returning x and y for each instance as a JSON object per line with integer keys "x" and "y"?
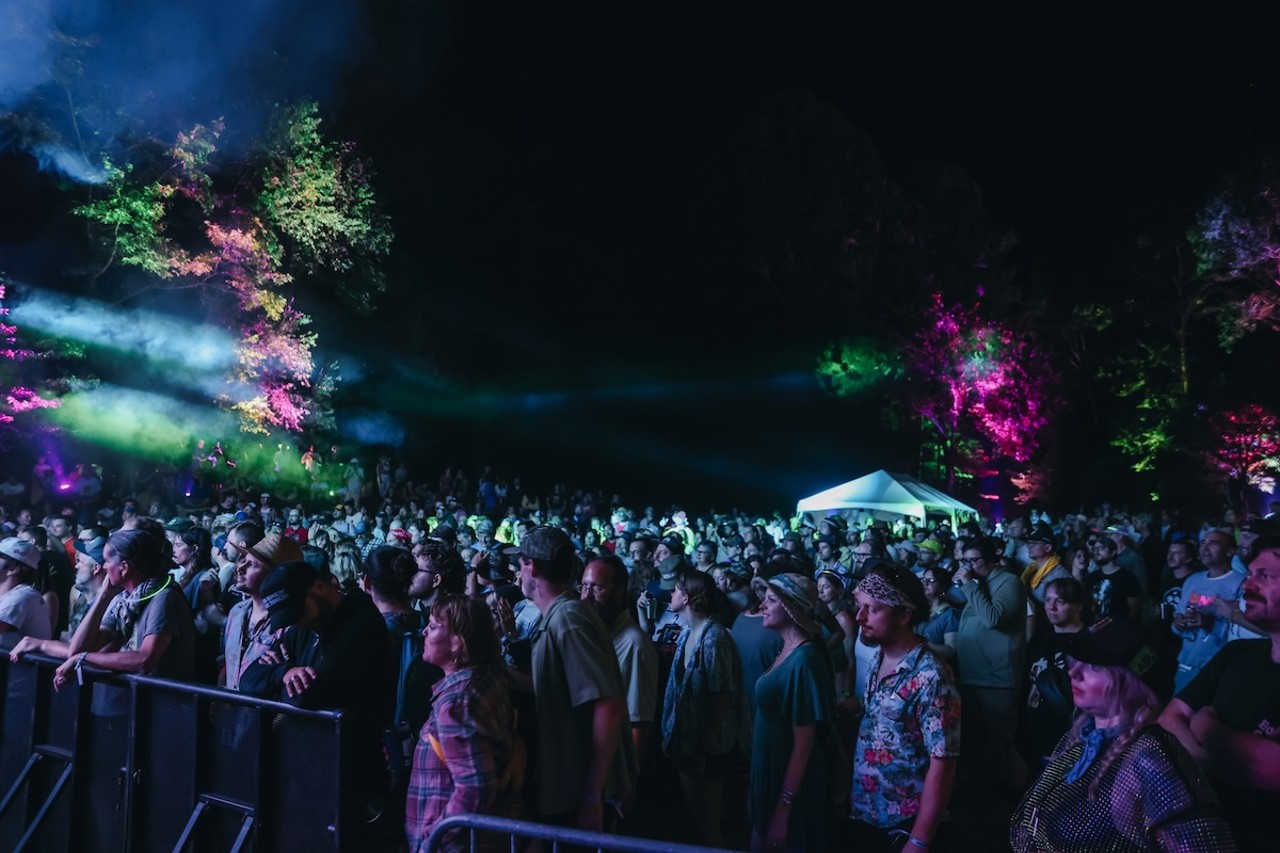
{"x": 1246, "y": 446}
{"x": 254, "y": 249}
{"x": 856, "y": 365}
{"x": 984, "y": 388}
{"x": 18, "y": 360}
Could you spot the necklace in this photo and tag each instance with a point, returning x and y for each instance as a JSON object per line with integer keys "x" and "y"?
{"x": 159, "y": 590}
{"x": 784, "y": 653}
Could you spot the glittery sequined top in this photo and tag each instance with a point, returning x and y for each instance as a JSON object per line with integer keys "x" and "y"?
{"x": 1152, "y": 797}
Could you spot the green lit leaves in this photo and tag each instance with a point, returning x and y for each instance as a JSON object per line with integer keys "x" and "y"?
{"x": 856, "y": 365}
{"x": 318, "y": 196}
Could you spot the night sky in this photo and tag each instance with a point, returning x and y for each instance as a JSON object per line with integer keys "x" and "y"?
{"x": 553, "y": 171}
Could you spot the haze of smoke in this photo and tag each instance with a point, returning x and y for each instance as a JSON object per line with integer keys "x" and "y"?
{"x": 372, "y": 428}
{"x": 78, "y": 78}
{"x": 146, "y": 334}
{"x": 138, "y": 422}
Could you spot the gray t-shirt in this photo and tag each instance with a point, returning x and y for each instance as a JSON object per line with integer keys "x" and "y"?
{"x": 574, "y": 665}
{"x": 24, "y": 611}
{"x": 166, "y": 613}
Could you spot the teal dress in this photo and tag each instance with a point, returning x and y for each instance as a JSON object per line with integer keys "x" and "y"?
{"x": 796, "y": 692}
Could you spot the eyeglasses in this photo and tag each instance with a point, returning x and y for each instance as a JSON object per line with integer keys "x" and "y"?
{"x": 593, "y": 588}
{"x": 930, "y": 580}
{"x": 970, "y": 561}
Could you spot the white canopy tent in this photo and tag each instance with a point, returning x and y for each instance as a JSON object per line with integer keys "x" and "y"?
{"x": 885, "y": 495}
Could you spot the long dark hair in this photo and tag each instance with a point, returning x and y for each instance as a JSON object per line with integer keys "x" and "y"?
{"x": 199, "y": 539}
{"x": 147, "y": 553}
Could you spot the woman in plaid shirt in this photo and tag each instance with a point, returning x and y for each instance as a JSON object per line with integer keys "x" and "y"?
{"x": 465, "y": 745}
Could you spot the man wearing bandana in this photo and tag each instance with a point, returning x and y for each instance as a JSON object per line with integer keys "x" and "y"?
{"x": 909, "y": 740}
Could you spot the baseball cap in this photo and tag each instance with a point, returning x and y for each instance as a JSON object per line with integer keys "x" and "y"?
{"x": 543, "y": 543}
{"x": 92, "y": 548}
{"x": 22, "y": 551}
{"x": 445, "y": 533}
{"x": 284, "y": 592}
{"x": 674, "y": 541}
{"x": 669, "y": 569}
{"x": 178, "y": 524}
{"x": 1041, "y": 532}
{"x": 1118, "y": 642}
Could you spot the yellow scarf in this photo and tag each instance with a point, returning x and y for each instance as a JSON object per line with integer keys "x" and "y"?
{"x": 1034, "y": 573}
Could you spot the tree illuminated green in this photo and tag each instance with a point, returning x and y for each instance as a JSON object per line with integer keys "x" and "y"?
{"x": 255, "y": 250}
{"x": 857, "y": 365}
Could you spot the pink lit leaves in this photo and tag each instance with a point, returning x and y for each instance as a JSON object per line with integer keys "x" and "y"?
{"x": 983, "y": 377}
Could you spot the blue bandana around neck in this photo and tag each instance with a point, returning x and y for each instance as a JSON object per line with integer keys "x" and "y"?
{"x": 1094, "y": 740}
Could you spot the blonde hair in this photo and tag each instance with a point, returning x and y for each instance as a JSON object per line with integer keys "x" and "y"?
{"x": 1137, "y": 706}
{"x": 346, "y": 563}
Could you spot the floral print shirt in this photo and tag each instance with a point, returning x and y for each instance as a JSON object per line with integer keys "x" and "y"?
{"x": 912, "y": 715}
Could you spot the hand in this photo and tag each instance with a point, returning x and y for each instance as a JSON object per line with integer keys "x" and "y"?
{"x": 1203, "y": 722}
{"x": 961, "y": 577}
{"x": 26, "y": 644}
{"x": 503, "y": 619}
{"x": 64, "y": 672}
{"x": 591, "y": 815}
{"x": 1222, "y": 608}
{"x": 271, "y": 658}
{"x": 776, "y": 837}
{"x": 298, "y": 681}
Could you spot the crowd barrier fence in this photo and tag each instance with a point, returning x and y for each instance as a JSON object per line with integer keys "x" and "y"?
{"x": 556, "y": 837}
{"x": 112, "y": 763}
{"x": 133, "y": 763}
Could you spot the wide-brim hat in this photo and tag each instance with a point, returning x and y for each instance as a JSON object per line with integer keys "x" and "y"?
{"x": 798, "y": 596}
{"x": 284, "y": 592}
{"x": 274, "y": 549}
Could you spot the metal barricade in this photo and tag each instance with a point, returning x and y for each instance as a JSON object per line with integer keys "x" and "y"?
{"x": 136, "y": 763}
{"x": 557, "y": 837}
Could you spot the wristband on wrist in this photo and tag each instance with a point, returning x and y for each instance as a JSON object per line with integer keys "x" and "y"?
{"x": 911, "y": 839}
{"x": 788, "y": 796}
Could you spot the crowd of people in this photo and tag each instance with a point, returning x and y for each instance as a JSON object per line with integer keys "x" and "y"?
{"x": 1100, "y": 681}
